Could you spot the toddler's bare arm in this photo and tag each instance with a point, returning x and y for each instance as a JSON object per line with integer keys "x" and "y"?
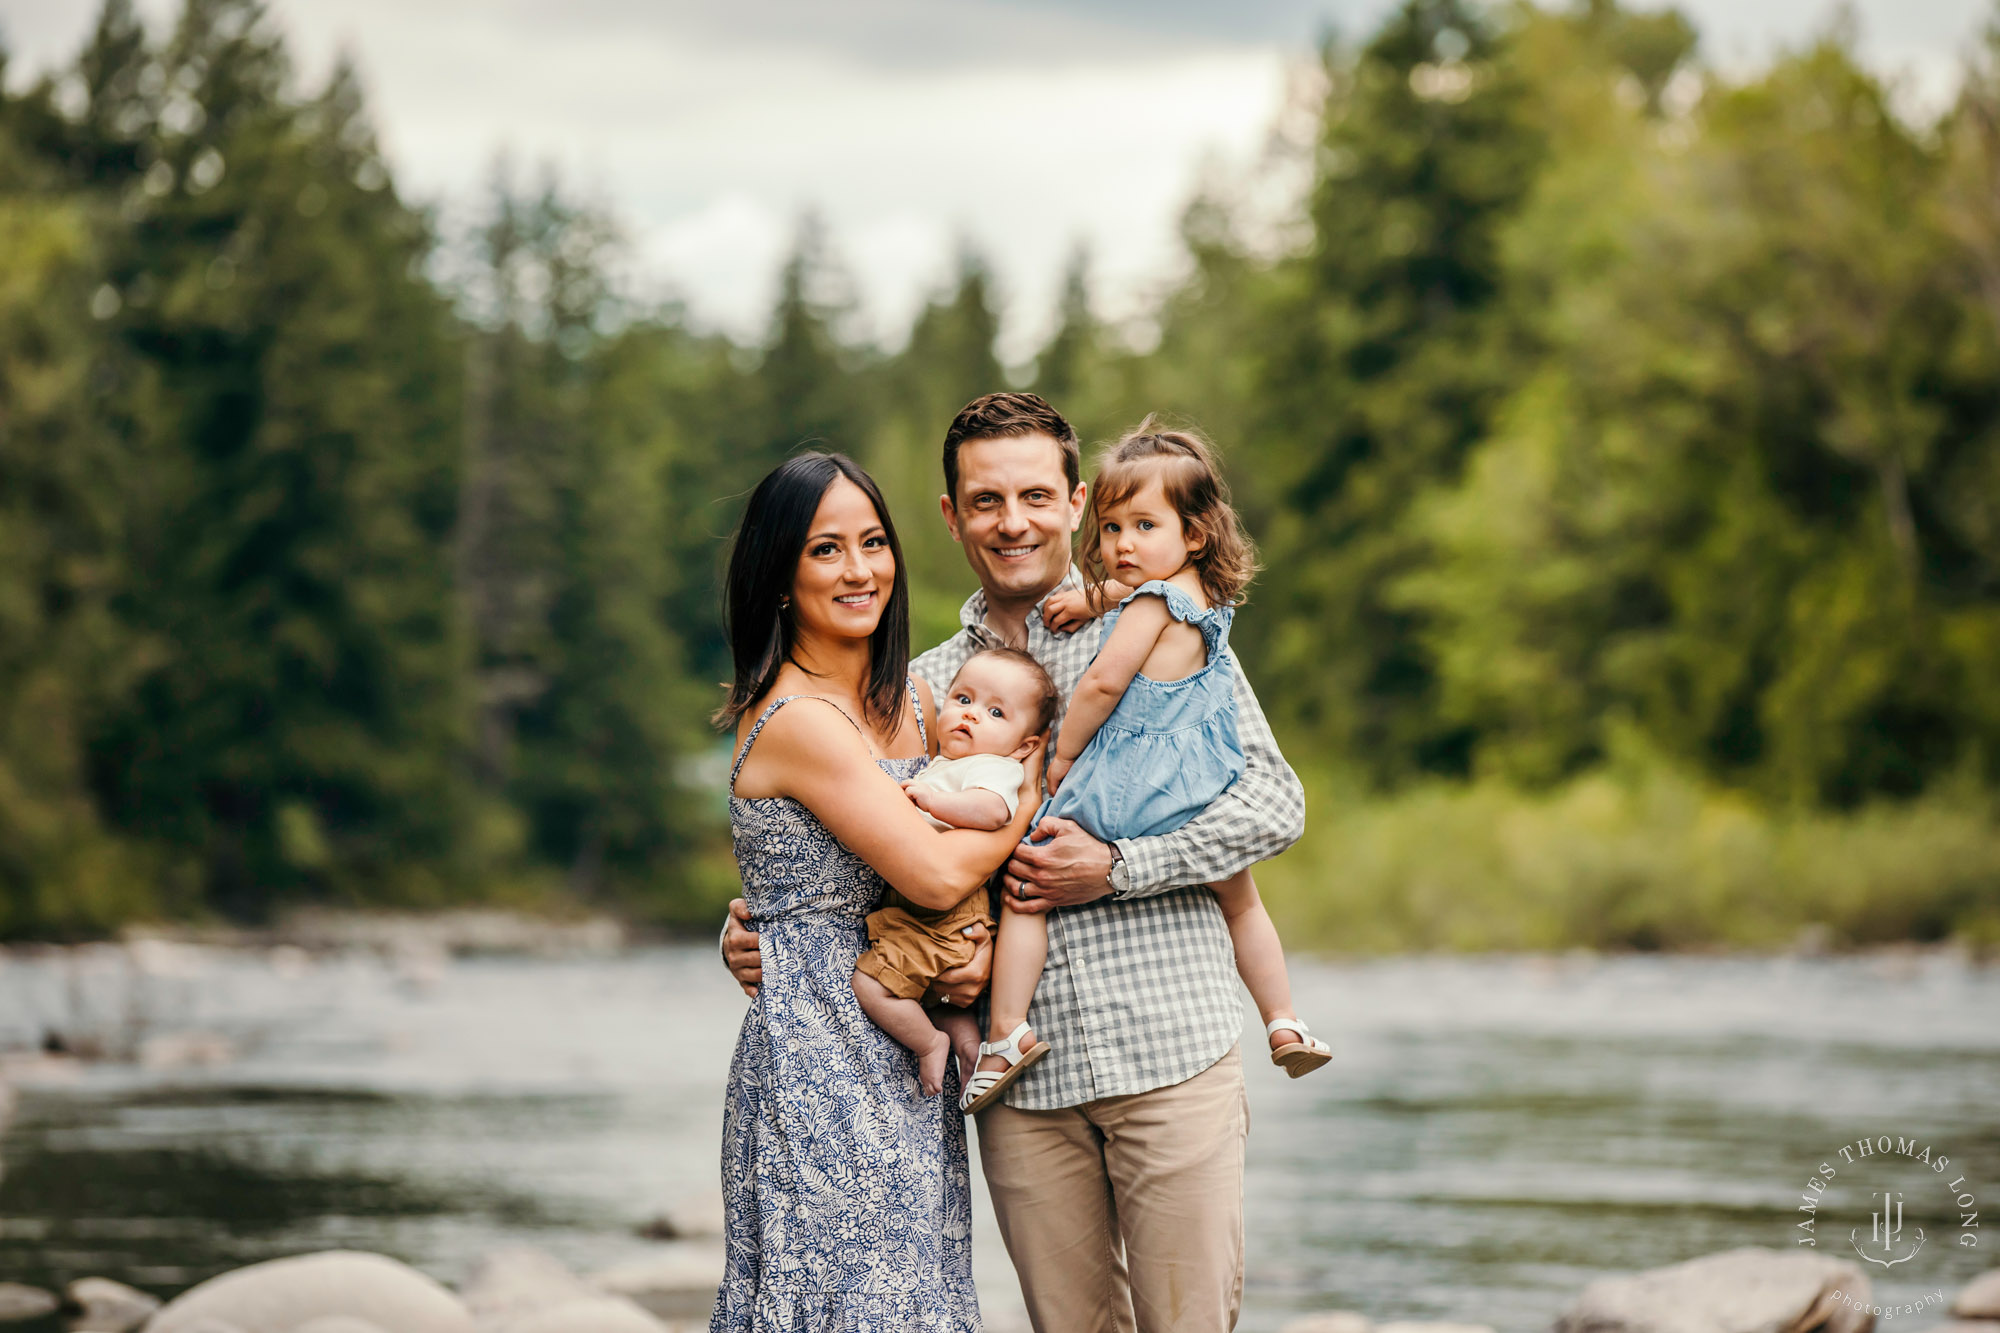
{"x": 975, "y": 809}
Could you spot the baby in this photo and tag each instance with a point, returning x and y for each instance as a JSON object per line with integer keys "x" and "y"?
{"x": 989, "y": 723}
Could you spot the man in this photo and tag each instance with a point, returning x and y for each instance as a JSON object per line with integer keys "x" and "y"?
{"x": 1116, "y": 1164}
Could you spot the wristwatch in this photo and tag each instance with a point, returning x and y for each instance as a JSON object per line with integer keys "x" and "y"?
{"x": 1120, "y": 877}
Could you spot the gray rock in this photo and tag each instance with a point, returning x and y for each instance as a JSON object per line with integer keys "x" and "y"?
{"x": 1748, "y": 1290}
{"x": 279, "y": 1295}
{"x": 1981, "y": 1297}
{"x": 590, "y": 1314}
{"x": 19, "y": 1301}
{"x": 1432, "y": 1326}
{"x": 518, "y": 1280}
{"x": 1336, "y": 1321}
{"x": 109, "y": 1307}
{"x": 338, "y": 1323}
{"x": 675, "y": 1282}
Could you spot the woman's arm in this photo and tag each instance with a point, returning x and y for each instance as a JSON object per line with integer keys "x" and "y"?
{"x": 810, "y": 752}
{"x": 1131, "y": 641}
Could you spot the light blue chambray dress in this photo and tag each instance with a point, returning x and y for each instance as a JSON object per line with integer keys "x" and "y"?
{"x": 1168, "y": 749}
{"x": 846, "y": 1197}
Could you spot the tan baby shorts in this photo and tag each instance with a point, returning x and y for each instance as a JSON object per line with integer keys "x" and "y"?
{"x": 909, "y": 945}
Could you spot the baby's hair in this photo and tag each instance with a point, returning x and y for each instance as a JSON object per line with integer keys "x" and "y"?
{"x": 1047, "y": 700}
{"x": 1185, "y": 464}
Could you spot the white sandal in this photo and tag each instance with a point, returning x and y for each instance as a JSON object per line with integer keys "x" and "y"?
{"x": 986, "y": 1085}
{"x": 1297, "y": 1057}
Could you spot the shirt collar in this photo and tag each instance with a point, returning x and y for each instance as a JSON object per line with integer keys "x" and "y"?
{"x": 972, "y": 616}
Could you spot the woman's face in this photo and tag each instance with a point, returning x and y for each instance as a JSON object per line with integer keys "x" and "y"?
{"x": 846, "y": 571}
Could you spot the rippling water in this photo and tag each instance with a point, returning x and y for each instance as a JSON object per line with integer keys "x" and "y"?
{"x": 1493, "y": 1133}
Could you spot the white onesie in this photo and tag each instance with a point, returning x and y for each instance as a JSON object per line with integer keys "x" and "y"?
{"x": 974, "y": 772}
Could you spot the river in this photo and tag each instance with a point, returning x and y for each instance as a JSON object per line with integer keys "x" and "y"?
{"x": 1493, "y": 1132}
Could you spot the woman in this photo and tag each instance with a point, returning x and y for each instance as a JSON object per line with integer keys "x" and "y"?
{"x": 846, "y": 1191}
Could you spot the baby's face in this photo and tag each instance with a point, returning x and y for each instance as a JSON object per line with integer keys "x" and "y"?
{"x": 989, "y": 709}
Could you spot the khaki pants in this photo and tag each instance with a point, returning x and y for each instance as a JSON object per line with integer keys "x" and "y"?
{"x": 1127, "y": 1213}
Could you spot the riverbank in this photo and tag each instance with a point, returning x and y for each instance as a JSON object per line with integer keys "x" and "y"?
{"x": 1637, "y": 857}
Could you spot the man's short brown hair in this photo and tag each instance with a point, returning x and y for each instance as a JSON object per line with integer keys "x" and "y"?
{"x": 1005, "y": 415}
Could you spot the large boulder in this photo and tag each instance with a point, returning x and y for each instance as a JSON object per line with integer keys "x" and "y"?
{"x": 1981, "y": 1297}
{"x": 107, "y": 1306}
{"x": 279, "y": 1295}
{"x": 1749, "y": 1290}
{"x": 674, "y": 1282}
{"x": 19, "y": 1301}
{"x": 525, "y": 1290}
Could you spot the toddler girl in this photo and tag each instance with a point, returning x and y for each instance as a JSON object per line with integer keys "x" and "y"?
{"x": 1150, "y": 737}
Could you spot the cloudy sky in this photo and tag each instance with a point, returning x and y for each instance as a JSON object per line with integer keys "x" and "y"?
{"x": 1023, "y": 126}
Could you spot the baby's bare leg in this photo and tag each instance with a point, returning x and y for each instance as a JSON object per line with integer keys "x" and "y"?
{"x": 1260, "y": 957}
{"x": 962, "y": 1029}
{"x": 1018, "y": 957}
{"x": 906, "y": 1021}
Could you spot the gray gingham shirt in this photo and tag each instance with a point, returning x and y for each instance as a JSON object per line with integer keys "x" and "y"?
{"x": 1140, "y": 990}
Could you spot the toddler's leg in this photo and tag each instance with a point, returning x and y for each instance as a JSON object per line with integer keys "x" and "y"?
{"x": 1018, "y": 956}
{"x": 1260, "y": 957}
{"x": 906, "y": 1021}
{"x": 962, "y": 1029}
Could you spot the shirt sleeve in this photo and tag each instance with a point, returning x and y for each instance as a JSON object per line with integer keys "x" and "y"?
{"x": 1261, "y": 814}
{"x": 997, "y": 774}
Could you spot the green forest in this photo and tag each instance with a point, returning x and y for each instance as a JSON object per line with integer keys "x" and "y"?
{"x": 1621, "y": 439}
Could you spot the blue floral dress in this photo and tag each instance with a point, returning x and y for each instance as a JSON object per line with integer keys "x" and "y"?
{"x": 847, "y": 1198}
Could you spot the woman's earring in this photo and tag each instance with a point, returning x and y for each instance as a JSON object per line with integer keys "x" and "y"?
{"x": 785, "y": 602}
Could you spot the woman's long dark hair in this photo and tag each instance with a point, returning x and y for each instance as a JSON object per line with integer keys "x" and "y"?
{"x": 763, "y": 565}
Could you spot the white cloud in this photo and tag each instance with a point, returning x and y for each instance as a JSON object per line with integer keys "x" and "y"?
{"x": 1022, "y": 126}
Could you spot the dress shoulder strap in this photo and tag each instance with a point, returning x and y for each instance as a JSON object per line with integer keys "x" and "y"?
{"x": 758, "y": 726}
{"x": 917, "y": 706}
{"x": 1212, "y": 621}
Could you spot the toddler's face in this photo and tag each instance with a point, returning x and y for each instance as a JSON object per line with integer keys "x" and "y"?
{"x": 1142, "y": 537}
{"x": 989, "y": 709}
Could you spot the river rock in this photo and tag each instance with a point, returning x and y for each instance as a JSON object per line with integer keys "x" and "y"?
{"x": 19, "y": 1301}
{"x": 109, "y": 1307}
{"x": 519, "y": 1279}
{"x": 675, "y": 1282}
{"x": 1748, "y": 1290}
{"x": 338, "y": 1323}
{"x": 1981, "y": 1297}
{"x": 591, "y": 1314}
{"x": 1432, "y": 1326}
{"x": 1336, "y": 1321}
{"x": 280, "y": 1294}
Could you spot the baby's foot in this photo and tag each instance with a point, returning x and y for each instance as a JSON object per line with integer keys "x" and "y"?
{"x": 1285, "y": 1036}
{"x": 998, "y": 1063}
{"x": 930, "y": 1064}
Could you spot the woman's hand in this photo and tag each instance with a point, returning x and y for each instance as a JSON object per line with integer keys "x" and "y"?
{"x": 958, "y": 987}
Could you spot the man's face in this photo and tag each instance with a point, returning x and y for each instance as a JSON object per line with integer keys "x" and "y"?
{"x": 1013, "y": 514}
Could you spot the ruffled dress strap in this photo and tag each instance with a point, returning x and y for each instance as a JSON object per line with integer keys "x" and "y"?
{"x": 1212, "y": 621}
{"x": 758, "y": 726}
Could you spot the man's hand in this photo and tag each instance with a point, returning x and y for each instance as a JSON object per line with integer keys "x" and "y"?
{"x": 1071, "y": 869}
{"x": 960, "y": 986}
{"x": 739, "y": 948}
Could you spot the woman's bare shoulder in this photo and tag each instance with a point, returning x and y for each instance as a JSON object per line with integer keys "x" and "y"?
{"x": 809, "y": 730}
